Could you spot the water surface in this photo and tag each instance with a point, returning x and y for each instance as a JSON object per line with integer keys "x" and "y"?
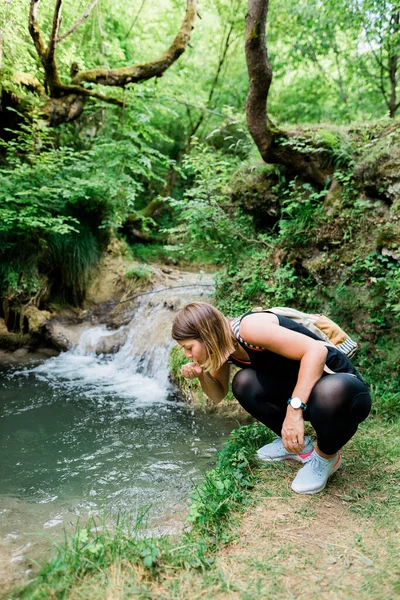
{"x": 85, "y": 435}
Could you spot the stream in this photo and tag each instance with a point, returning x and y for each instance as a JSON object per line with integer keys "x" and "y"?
{"x": 87, "y": 433}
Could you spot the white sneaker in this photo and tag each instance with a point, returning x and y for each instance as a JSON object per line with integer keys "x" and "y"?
{"x": 277, "y": 451}
{"x": 312, "y": 478}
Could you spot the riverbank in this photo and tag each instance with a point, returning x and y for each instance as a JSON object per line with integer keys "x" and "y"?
{"x": 252, "y": 537}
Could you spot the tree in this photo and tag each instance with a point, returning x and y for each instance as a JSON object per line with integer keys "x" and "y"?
{"x": 275, "y": 145}
{"x": 350, "y": 46}
{"x": 65, "y": 102}
{"x": 379, "y": 22}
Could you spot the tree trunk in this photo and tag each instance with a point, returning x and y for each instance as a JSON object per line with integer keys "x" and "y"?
{"x": 276, "y": 145}
{"x": 393, "y": 63}
{"x": 260, "y": 76}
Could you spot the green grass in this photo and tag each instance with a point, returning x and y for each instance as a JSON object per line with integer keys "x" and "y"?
{"x": 143, "y": 272}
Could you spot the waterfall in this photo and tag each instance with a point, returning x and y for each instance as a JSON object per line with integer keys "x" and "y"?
{"x": 132, "y": 361}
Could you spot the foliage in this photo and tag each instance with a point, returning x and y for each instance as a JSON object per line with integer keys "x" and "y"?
{"x": 256, "y": 281}
{"x": 143, "y": 272}
{"x": 332, "y": 47}
{"x": 63, "y": 200}
{"x": 207, "y": 220}
{"x": 338, "y": 53}
{"x": 301, "y": 211}
{"x": 227, "y": 485}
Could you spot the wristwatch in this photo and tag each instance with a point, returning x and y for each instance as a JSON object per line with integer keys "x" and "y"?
{"x": 297, "y": 403}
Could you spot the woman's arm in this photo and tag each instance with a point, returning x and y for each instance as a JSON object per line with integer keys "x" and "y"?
{"x": 215, "y": 384}
{"x": 259, "y": 330}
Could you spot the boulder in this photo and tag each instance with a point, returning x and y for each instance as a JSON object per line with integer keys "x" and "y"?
{"x": 35, "y": 318}
{"x": 111, "y": 343}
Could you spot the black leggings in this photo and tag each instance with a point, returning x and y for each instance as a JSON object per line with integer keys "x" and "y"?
{"x": 337, "y": 404}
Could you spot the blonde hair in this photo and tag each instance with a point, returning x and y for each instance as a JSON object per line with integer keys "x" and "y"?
{"x": 202, "y": 321}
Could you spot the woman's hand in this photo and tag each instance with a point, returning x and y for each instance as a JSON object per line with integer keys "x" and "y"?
{"x": 293, "y": 430}
{"x": 191, "y": 370}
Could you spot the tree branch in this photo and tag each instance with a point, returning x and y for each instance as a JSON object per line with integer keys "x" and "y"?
{"x": 142, "y": 72}
{"x": 46, "y": 55}
{"x": 54, "y": 32}
{"x": 135, "y": 19}
{"x": 79, "y": 22}
{"x": 66, "y": 102}
{"x": 35, "y": 31}
{"x": 77, "y": 89}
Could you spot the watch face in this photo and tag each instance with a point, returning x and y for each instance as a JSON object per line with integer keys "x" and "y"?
{"x": 295, "y": 402}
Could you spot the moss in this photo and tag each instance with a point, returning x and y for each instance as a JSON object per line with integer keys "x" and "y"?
{"x": 255, "y": 190}
{"x": 256, "y": 31}
{"x": 388, "y": 236}
{"x": 190, "y": 389}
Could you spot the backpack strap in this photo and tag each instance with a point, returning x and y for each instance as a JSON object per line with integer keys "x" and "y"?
{"x": 236, "y": 328}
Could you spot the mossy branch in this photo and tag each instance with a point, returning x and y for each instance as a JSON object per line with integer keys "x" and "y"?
{"x": 66, "y": 102}
{"x": 141, "y": 72}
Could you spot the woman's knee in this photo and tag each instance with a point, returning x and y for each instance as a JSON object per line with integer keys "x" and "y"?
{"x": 244, "y": 384}
{"x": 361, "y": 406}
{"x": 334, "y": 396}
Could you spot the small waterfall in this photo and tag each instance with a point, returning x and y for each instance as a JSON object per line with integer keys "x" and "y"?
{"x": 132, "y": 361}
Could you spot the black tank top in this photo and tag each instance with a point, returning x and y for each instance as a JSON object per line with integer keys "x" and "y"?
{"x": 265, "y": 361}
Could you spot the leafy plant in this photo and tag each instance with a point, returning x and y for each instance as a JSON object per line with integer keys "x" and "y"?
{"x": 301, "y": 210}
{"x": 207, "y": 221}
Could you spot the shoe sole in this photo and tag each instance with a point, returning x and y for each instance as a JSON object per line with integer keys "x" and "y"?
{"x": 335, "y": 468}
{"x": 295, "y": 457}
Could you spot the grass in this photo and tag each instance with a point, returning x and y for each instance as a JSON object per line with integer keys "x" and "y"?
{"x": 251, "y": 536}
{"x": 140, "y": 271}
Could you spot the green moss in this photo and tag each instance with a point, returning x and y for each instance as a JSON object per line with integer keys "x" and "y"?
{"x": 256, "y": 31}
{"x": 190, "y": 388}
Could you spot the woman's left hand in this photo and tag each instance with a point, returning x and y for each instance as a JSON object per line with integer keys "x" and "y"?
{"x": 293, "y": 431}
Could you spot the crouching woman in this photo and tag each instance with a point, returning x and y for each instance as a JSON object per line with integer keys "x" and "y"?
{"x": 287, "y": 376}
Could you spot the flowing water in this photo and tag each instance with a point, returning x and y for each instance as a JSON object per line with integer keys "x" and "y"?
{"x": 87, "y": 433}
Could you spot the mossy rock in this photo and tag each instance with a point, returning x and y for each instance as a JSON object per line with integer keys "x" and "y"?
{"x": 254, "y": 189}
{"x": 378, "y": 166}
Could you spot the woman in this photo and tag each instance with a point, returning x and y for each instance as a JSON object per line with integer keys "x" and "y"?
{"x": 288, "y": 376}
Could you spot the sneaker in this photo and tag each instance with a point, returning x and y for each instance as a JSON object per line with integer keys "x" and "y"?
{"x": 312, "y": 478}
{"x": 277, "y": 451}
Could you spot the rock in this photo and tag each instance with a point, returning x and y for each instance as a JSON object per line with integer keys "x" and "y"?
{"x": 12, "y": 341}
{"x": 255, "y": 191}
{"x": 333, "y": 199}
{"x": 55, "y": 337}
{"x": 35, "y": 318}
{"x": 112, "y": 343}
{"x": 21, "y": 352}
{"x": 62, "y": 335}
{"x": 379, "y": 170}
{"x": 47, "y": 352}
{"x": 3, "y": 327}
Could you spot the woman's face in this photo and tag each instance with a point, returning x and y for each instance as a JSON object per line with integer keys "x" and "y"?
{"x": 195, "y": 350}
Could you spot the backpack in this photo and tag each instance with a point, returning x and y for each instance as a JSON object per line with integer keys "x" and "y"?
{"x": 321, "y": 326}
